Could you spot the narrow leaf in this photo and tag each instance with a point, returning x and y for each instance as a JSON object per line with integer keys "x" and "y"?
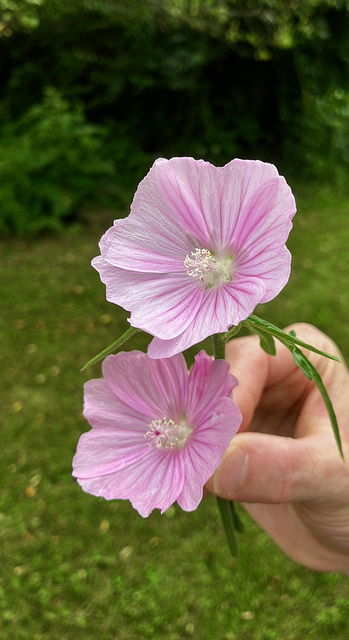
{"x": 285, "y": 338}
{"x": 303, "y": 363}
{"x": 266, "y": 340}
{"x": 311, "y": 372}
{"x": 112, "y": 347}
{"x": 291, "y": 341}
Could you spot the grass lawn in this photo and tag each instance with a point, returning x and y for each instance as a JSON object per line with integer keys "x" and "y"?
{"x": 73, "y": 566}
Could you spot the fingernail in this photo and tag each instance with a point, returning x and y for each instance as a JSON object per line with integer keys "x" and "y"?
{"x": 231, "y": 473}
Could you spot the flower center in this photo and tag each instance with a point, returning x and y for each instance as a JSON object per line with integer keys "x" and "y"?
{"x": 166, "y": 434}
{"x": 208, "y": 268}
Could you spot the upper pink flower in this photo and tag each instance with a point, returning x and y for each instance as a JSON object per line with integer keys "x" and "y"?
{"x": 202, "y": 246}
{"x": 157, "y": 434}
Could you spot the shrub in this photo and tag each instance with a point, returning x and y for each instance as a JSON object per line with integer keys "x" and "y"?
{"x": 51, "y": 161}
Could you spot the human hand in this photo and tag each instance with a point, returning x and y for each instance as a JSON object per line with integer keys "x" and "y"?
{"x": 284, "y": 464}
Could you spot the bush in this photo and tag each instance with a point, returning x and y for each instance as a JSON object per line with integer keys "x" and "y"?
{"x": 51, "y": 161}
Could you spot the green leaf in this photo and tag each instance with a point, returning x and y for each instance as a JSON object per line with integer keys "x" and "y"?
{"x": 303, "y": 363}
{"x": 290, "y": 340}
{"x": 266, "y": 340}
{"x": 310, "y": 371}
{"x": 131, "y": 331}
{"x": 253, "y": 323}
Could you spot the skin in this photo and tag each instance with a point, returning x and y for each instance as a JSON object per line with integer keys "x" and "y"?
{"x": 284, "y": 464}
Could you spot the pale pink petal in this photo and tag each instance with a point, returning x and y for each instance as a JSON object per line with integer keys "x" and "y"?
{"x": 155, "y": 389}
{"x": 101, "y": 452}
{"x": 192, "y": 190}
{"x": 211, "y": 202}
{"x": 152, "y": 483}
{"x": 103, "y": 409}
{"x": 271, "y": 267}
{"x": 221, "y": 307}
{"x": 208, "y": 380}
{"x": 204, "y": 451}
{"x": 159, "y": 246}
{"x": 161, "y": 304}
{"x": 266, "y": 204}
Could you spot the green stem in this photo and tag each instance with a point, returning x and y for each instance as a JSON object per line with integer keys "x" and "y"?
{"x": 219, "y": 341}
{"x": 229, "y": 516}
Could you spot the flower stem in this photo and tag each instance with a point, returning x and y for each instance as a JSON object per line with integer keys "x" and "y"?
{"x": 219, "y": 341}
{"x": 226, "y": 508}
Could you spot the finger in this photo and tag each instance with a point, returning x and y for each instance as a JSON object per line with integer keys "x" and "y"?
{"x": 263, "y": 378}
{"x": 275, "y": 383}
{"x": 265, "y": 468}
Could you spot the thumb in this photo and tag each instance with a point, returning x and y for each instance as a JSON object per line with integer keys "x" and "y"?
{"x": 272, "y": 469}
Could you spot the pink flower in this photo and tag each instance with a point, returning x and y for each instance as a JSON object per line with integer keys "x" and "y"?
{"x": 202, "y": 246}
{"x": 157, "y": 433}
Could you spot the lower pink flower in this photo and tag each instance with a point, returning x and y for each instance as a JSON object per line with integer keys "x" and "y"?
{"x": 157, "y": 433}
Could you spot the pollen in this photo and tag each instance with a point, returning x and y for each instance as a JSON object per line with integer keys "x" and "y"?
{"x": 208, "y": 268}
{"x": 166, "y": 434}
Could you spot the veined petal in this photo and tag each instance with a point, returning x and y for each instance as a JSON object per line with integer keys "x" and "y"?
{"x": 222, "y": 307}
{"x": 155, "y": 389}
{"x": 265, "y": 217}
{"x": 159, "y": 246}
{"x": 208, "y": 380}
{"x": 103, "y": 409}
{"x": 101, "y": 452}
{"x": 152, "y": 483}
{"x": 207, "y": 445}
{"x": 272, "y": 268}
{"x": 259, "y": 192}
{"x": 186, "y": 186}
{"x": 161, "y": 304}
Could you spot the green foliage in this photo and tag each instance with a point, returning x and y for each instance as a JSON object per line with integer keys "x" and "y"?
{"x": 184, "y": 77}
{"x": 51, "y": 161}
{"x": 18, "y": 15}
{"x": 254, "y": 27}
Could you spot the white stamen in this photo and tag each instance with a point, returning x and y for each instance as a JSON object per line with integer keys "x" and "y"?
{"x": 208, "y": 268}
{"x": 166, "y": 434}
{"x": 200, "y": 262}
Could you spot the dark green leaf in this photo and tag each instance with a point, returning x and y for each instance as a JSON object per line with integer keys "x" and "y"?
{"x": 310, "y": 371}
{"x": 303, "y": 363}
{"x": 266, "y": 340}
{"x": 289, "y": 339}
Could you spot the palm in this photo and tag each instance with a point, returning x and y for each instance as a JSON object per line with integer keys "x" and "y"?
{"x": 297, "y": 486}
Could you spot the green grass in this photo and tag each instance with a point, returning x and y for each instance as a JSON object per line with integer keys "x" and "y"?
{"x": 73, "y": 566}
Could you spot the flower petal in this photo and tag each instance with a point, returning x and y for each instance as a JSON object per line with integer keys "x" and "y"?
{"x": 151, "y": 483}
{"x": 155, "y": 389}
{"x": 205, "y": 449}
{"x": 101, "y": 452}
{"x": 155, "y": 246}
{"x": 161, "y": 304}
{"x": 208, "y": 380}
{"x": 222, "y": 307}
{"x": 272, "y": 267}
{"x": 103, "y": 409}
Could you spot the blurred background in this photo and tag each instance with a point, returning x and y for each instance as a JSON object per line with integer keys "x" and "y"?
{"x": 91, "y": 92}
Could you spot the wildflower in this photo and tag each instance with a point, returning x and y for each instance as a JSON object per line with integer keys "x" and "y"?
{"x": 157, "y": 433}
{"x": 202, "y": 246}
